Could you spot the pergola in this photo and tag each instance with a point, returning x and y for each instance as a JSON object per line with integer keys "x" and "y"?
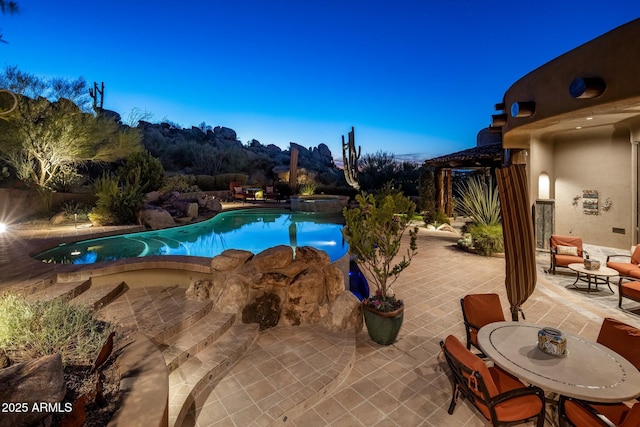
{"x": 481, "y": 157}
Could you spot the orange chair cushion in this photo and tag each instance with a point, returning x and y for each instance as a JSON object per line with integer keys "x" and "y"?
{"x": 482, "y": 309}
{"x": 497, "y": 381}
{"x": 631, "y": 290}
{"x": 567, "y": 241}
{"x": 634, "y": 273}
{"x": 517, "y": 408}
{"x": 635, "y": 256}
{"x": 580, "y": 416}
{"x": 624, "y": 268}
{"x": 622, "y": 338}
{"x": 565, "y": 260}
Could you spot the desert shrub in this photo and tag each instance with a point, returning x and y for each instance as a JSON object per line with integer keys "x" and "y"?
{"x": 479, "y": 200}
{"x": 148, "y": 167}
{"x": 71, "y": 208}
{"x": 180, "y": 183}
{"x": 67, "y": 179}
{"x": 307, "y": 189}
{"x": 31, "y": 330}
{"x": 206, "y": 182}
{"x": 225, "y": 179}
{"x": 117, "y": 204}
{"x": 487, "y": 239}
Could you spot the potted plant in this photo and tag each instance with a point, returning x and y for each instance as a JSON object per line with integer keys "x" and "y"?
{"x": 374, "y": 230}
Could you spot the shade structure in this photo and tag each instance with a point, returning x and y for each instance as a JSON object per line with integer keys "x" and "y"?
{"x": 519, "y": 241}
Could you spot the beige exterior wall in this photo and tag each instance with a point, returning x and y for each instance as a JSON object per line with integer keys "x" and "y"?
{"x": 602, "y": 164}
{"x": 584, "y": 143}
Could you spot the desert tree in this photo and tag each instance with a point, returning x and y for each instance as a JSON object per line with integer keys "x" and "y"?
{"x": 52, "y": 131}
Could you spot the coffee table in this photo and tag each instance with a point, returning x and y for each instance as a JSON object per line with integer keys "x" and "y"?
{"x": 589, "y": 371}
{"x": 599, "y": 276}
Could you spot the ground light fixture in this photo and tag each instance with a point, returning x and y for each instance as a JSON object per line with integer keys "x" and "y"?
{"x": 3, "y": 227}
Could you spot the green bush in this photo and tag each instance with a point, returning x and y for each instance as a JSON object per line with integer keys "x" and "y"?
{"x": 71, "y": 208}
{"x": 117, "y": 204}
{"x": 487, "y": 239}
{"x": 147, "y": 167}
{"x": 180, "y": 183}
{"x": 307, "y": 189}
{"x": 224, "y": 180}
{"x": 29, "y": 331}
{"x": 205, "y": 182}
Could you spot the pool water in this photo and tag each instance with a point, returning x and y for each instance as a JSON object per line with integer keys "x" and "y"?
{"x": 250, "y": 229}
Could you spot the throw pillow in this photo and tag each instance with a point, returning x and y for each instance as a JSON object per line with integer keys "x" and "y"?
{"x": 238, "y": 190}
{"x": 567, "y": 250}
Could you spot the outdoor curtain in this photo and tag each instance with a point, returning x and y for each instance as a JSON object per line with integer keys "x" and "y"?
{"x": 519, "y": 241}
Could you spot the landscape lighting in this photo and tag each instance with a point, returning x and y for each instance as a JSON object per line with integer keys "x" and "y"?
{"x": 3, "y": 227}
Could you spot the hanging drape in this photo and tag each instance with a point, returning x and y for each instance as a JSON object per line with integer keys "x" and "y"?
{"x": 519, "y": 241}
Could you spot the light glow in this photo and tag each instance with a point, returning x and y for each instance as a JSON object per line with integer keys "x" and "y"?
{"x": 3, "y": 227}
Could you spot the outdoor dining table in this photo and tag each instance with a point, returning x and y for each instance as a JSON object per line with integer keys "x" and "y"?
{"x": 589, "y": 371}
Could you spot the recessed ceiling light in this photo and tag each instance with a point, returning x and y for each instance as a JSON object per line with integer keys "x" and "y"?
{"x": 589, "y": 118}
{"x": 578, "y": 127}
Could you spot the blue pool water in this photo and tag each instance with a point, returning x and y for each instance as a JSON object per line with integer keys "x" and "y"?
{"x": 251, "y": 229}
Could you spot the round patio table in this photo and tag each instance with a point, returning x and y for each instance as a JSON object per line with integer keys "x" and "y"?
{"x": 599, "y": 276}
{"x": 589, "y": 371}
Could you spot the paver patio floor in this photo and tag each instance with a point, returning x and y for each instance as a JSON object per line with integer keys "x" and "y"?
{"x": 404, "y": 384}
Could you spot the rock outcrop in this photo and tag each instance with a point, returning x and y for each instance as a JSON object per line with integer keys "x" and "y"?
{"x": 274, "y": 288}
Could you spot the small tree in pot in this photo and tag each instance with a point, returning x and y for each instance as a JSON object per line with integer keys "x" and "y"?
{"x": 374, "y": 230}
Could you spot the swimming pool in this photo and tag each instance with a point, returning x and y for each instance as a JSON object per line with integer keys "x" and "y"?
{"x": 250, "y": 229}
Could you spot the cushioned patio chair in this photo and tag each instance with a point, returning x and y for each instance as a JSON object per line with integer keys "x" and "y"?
{"x": 565, "y": 250}
{"x": 237, "y": 192}
{"x": 499, "y": 396}
{"x": 626, "y": 265}
{"x": 270, "y": 193}
{"x": 625, "y": 340}
{"x": 479, "y": 310}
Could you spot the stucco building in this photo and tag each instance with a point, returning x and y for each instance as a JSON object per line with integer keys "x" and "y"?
{"x": 575, "y": 121}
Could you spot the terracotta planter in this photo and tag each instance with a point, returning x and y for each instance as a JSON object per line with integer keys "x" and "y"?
{"x": 383, "y": 327}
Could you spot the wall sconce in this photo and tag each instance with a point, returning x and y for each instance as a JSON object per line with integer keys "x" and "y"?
{"x": 607, "y": 204}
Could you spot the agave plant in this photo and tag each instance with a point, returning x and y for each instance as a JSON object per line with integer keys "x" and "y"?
{"x": 479, "y": 201}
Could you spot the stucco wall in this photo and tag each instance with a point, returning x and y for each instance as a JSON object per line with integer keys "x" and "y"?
{"x": 602, "y": 163}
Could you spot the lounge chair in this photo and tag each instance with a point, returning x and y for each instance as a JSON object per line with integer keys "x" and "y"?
{"x": 565, "y": 250}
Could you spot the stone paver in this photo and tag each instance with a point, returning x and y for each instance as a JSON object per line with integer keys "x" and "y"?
{"x": 405, "y": 384}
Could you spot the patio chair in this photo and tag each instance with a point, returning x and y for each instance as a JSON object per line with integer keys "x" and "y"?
{"x": 237, "y": 192}
{"x": 499, "y": 396}
{"x": 628, "y": 266}
{"x": 270, "y": 193}
{"x": 479, "y": 310}
{"x": 625, "y": 340}
{"x": 565, "y": 250}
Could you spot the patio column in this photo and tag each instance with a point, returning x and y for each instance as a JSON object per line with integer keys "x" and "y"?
{"x": 634, "y": 139}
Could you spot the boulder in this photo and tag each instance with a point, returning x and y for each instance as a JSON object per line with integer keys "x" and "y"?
{"x": 199, "y": 290}
{"x": 311, "y": 255}
{"x": 344, "y": 313}
{"x": 155, "y": 218}
{"x": 4, "y": 360}
{"x": 264, "y": 310}
{"x": 234, "y": 296}
{"x": 152, "y": 197}
{"x": 213, "y": 205}
{"x": 189, "y": 209}
{"x": 36, "y": 381}
{"x": 274, "y": 258}
{"x": 230, "y": 259}
{"x": 58, "y": 218}
{"x": 334, "y": 282}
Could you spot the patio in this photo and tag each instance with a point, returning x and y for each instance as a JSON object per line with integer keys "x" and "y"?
{"x": 400, "y": 385}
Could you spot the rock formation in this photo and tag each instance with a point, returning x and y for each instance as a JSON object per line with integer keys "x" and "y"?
{"x": 274, "y": 288}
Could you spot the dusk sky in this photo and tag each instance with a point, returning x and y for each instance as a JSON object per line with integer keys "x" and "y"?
{"x": 417, "y": 78}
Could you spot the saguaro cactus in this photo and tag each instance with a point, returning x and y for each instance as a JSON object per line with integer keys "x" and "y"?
{"x": 351, "y": 161}
{"x": 93, "y": 93}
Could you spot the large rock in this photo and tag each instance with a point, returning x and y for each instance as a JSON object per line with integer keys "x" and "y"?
{"x": 189, "y": 209}
{"x": 40, "y": 380}
{"x": 199, "y": 290}
{"x": 311, "y": 255}
{"x": 230, "y": 259}
{"x": 334, "y": 282}
{"x": 155, "y": 218}
{"x": 213, "y": 205}
{"x": 344, "y": 313}
{"x": 235, "y": 295}
{"x": 274, "y": 258}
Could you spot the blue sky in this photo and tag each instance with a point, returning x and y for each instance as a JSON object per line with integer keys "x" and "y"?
{"x": 417, "y": 78}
